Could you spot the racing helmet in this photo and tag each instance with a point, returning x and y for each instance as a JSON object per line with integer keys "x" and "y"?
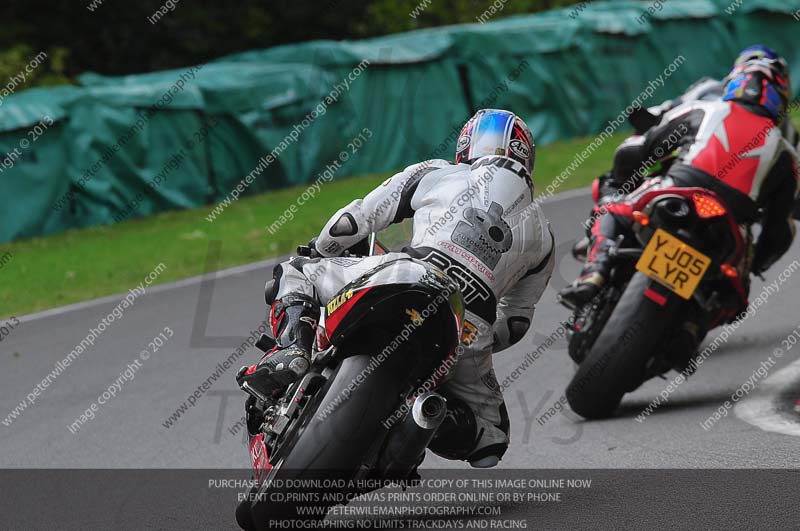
{"x": 760, "y": 77}
{"x": 757, "y": 52}
{"x": 497, "y": 132}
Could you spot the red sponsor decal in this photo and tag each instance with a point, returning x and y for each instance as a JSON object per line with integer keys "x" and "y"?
{"x": 259, "y": 458}
{"x": 333, "y": 319}
{"x": 469, "y": 257}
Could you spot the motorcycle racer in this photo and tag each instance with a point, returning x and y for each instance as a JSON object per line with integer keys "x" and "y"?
{"x": 705, "y": 89}
{"x": 733, "y": 147}
{"x": 474, "y": 219}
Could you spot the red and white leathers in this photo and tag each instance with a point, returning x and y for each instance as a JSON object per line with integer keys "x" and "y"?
{"x": 477, "y": 223}
{"x": 737, "y": 151}
{"x": 705, "y": 89}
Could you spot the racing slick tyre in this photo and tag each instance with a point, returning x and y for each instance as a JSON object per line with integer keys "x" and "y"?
{"x": 336, "y": 433}
{"x": 617, "y": 362}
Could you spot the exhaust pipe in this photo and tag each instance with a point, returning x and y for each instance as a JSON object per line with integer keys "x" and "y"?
{"x": 408, "y": 441}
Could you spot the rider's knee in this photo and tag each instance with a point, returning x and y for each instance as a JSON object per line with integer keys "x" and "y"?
{"x": 493, "y": 442}
{"x": 465, "y": 437}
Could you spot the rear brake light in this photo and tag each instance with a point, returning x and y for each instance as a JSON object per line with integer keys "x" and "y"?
{"x": 707, "y": 207}
{"x": 729, "y": 271}
{"x": 641, "y": 218}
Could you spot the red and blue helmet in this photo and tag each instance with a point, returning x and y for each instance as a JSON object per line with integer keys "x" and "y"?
{"x": 497, "y": 132}
{"x": 761, "y": 77}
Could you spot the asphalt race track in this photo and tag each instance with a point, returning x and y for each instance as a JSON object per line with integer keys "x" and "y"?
{"x": 211, "y": 317}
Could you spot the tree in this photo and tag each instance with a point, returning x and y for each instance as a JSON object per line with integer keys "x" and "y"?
{"x": 116, "y": 37}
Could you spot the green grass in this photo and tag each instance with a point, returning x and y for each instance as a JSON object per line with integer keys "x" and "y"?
{"x": 87, "y": 263}
{"x": 83, "y": 264}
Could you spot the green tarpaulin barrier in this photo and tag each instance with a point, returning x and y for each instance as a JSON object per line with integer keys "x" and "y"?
{"x": 34, "y": 162}
{"x": 122, "y": 147}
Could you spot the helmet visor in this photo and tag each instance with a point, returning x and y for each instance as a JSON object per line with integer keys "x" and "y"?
{"x": 491, "y": 133}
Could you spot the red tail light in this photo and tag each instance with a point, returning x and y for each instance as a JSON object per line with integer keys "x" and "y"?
{"x": 708, "y": 207}
{"x": 729, "y": 271}
{"x": 641, "y": 218}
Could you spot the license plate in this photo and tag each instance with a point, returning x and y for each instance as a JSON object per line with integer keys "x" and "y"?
{"x": 677, "y": 265}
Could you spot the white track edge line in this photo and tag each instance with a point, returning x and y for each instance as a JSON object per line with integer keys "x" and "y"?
{"x": 761, "y": 408}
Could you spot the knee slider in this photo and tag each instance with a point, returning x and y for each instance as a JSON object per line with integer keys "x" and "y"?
{"x": 517, "y": 327}
{"x": 497, "y": 450}
{"x": 458, "y": 434}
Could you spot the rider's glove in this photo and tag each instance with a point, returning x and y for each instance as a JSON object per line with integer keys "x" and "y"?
{"x": 309, "y": 250}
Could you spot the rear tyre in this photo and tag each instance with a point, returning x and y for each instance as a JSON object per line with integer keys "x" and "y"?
{"x": 617, "y": 362}
{"x": 244, "y": 516}
{"x": 339, "y": 434}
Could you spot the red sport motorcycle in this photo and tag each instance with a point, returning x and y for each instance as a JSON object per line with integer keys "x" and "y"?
{"x": 684, "y": 272}
{"x": 358, "y": 417}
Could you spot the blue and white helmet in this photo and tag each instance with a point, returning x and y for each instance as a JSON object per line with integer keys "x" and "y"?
{"x": 760, "y": 77}
{"x": 497, "y": 132}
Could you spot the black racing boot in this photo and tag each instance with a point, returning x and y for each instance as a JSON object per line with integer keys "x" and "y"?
{"x": 593, "y": 276}
{"x": 581, "y": 249}
{"x": 294, "y": 323}
{"x": 460, "y": 433}
{"x": 584, "y": 289}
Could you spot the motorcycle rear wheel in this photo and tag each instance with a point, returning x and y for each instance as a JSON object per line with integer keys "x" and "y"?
{"x": 337, "y": 435}
{"x": 617, "y": 362}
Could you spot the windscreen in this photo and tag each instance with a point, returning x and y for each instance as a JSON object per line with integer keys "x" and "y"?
{"x": 392, "y": 239}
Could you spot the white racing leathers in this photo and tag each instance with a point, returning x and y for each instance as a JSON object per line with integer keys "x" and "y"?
{"x": 478, "y": 224}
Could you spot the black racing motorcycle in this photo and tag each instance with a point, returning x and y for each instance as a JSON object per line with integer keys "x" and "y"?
{"x": 684, "y": 271}
{"x": 367, "y": 408}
